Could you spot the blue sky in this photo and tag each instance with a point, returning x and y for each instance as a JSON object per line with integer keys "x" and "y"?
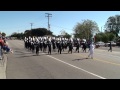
{"x": 19, "y": 21}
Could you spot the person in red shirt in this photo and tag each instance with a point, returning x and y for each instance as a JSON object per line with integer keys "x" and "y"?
{"x": 4, "y": 46}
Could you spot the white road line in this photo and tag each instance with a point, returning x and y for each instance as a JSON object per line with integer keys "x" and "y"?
{"x": 74, "y": 66}
{"x": 77, "y": 67}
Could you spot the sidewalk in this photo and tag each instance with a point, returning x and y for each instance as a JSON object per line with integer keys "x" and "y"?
{"x": 3, "y": 64}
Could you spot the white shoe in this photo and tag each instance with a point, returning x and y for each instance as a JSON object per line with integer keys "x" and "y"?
{"x": 11, "y": 51}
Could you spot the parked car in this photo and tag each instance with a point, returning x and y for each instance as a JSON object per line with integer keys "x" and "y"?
{"x": 118, "y": 43}
{"x": 112, "y": 43}
{"x": 100, "y": 43}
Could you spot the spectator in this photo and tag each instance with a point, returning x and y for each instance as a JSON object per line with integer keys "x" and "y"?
{"x": 1, "y": 46}
{"x": 7, "y": 49}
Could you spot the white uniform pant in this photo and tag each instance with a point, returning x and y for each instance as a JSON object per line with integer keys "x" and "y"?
{"x": 91, "y": 53}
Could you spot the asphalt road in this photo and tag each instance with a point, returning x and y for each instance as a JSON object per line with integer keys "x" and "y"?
{"x": 23, "y": 64}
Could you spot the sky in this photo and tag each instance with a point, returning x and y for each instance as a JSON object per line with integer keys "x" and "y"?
{"x": 19, "y": 21}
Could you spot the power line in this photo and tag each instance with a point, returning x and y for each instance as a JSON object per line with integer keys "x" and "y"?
{"x": 48, "y": 15}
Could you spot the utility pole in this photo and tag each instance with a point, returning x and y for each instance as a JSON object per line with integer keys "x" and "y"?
{"x": 31, "y": 25}
{"x": 48, "y": 15}
{"x": 101, "y": 29}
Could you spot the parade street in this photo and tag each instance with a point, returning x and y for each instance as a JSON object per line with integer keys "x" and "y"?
{"x": 23, "y": 64}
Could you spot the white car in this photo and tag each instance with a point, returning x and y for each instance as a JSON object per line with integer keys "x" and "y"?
{"x": 100, "y": 43}
{"x": 112, "y": 43}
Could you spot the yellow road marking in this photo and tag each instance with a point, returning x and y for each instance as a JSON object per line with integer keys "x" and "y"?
{"x": 101, "y": 60}
{"x": 107, "y": 62}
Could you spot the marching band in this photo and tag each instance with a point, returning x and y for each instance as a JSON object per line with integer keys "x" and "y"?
{"x": 52, "y": 43}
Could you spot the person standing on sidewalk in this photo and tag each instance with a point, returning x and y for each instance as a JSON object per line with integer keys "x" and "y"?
{"x": 1, "y": 47}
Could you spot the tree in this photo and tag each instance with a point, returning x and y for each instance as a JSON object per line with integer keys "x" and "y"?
{"x": 62, "y": 32}
{"x": 17, "y": 35}
{"x": 3, "y": 34}
{"x": 65, "y": 34}
{"x": 27, "y": 33}
{"x": 111, "y": 37}
{"x": 105, "y": 37}
{"x": 98, "y": 37}
{"x": 14, "y": 34}
{"x": 86, "y": 29}
{"x": 37, "y": 32}
{"x": 113, "y": 24}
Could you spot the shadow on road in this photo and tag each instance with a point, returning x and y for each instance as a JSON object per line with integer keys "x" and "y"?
{"x": 23, "y": 55}
{"x": 80, "y": 59}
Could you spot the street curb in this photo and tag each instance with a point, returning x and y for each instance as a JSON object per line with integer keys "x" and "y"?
{"x": 3, "y": 65}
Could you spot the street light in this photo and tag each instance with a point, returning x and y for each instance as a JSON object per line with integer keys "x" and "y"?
{"x": 101, "y": 29}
